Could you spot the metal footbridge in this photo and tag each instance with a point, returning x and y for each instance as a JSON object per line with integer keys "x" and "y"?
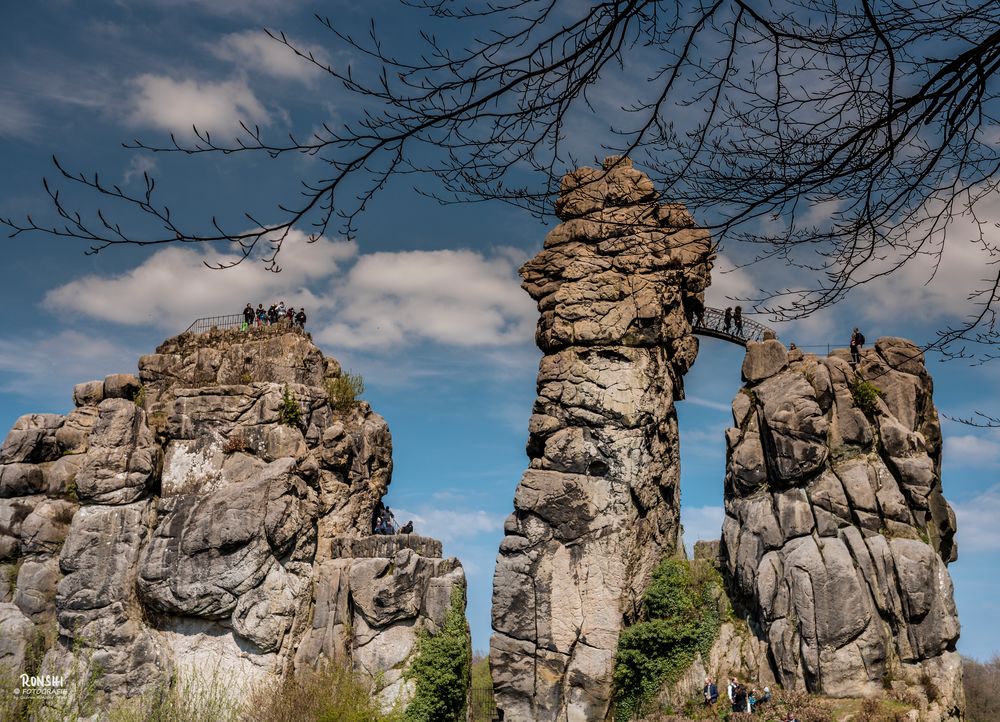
{"x": 713, "y": 323}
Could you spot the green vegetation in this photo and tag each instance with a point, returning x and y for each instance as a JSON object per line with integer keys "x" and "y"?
{"x": 140, "y": 396}
{"x": 290, "y": 413}
{"x": 344, "y": 390}
{"x": 481, "y": 700}
{"x": 681, "y": 617}
{"x": 865, "y": 395}
{"x": 441, "y": 669}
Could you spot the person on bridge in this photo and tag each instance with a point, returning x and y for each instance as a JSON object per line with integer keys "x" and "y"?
{"x": 738, "y": 319}
{"x": 727, "y": 320}
{"x": 857, "y": 341}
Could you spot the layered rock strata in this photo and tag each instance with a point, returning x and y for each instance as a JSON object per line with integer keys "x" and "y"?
{"x": 200, "y": 518}
{"x": 598, "y": 507}
{"x": 837, "y": 537}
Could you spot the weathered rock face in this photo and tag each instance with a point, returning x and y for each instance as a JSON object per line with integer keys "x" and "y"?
{"x": 599, "y": 505}
{"x": 837, "y": 536}
{"x": 188, "y": 520}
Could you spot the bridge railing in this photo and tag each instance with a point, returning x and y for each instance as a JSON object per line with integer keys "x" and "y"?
{"x": 713, "y": 323}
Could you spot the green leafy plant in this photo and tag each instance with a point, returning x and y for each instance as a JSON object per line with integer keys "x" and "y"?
{"x": 681, "y": 617}
{"x": 140, "y": 396}
{"x": 290, "y": 413}
{"x": 344, "y": 390}
{"x": 441, "y": 668}
{"x": 865, "y": 395}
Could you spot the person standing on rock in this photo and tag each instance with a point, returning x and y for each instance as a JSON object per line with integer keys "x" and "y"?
{"x": 711, "y": 695}
{"x": 738, "y": 319}
{"x": 300, "y": 320}
{"x": 731, "y": 689}
{"x": 727, "y": 320}
{"x": 248, "y": 316}
{"x": 857, "y": 341}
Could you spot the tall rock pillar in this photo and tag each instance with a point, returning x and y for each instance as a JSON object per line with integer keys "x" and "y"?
{"x": 599, "y": 505}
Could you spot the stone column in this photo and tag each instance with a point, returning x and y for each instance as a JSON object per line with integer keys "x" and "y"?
{"x": 599, "y": 505}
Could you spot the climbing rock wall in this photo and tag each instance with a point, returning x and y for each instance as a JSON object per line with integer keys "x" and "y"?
{"x": 178, "y": 523}
{"x": 836, "y": 536}
{"x": 598, "y": 506}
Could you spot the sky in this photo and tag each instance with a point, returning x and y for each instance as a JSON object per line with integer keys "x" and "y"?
{"x": 424, "y": 302}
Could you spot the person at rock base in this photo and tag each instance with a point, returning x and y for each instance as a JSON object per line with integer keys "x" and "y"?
{"x": 731, "y": 689}
{"x": 711, "y": 693}
{"x": 727, "y": 320}
{"x": 857, "y": 341}
{"x": 738, "y": 319}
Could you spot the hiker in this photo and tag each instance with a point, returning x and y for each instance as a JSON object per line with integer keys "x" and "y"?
{"x": 390, "y": 521}
{"x": 727, "y": 320}
{"x": 731, "y": 689}
{"x": 764, "y": 698}
{"x": 700, "y": 316}
{"x": 740, "y": 698}
{"x": 738, "y": 319}
{"x": 272, "y": 314}
{"x": 300, "y": 320}
{"x": 711, "y": 694}
{"x": 407, "y": 528}
{"x": 857, "y": 341}
{"x": 261, "y": 314}
{"x": 281, "y": 310}
{"x": 248, "y": 316}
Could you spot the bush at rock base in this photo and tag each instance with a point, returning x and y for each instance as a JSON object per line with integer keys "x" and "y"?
{"x": 981, "y": 681}
{"x": 680, "y": 618}
{"x": 441, "y": 669}
{"x": 344, "y": 390}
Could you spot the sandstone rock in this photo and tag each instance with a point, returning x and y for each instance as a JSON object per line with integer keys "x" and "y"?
{"x": 16, "y": 632}
{"x": 20, "y": 480}
{"x": 89, "y": 393}
{"x": 121, "y": 386}
{"x": 32, "y": 440}
{"x": 44, "y": 529}
{"x": 598, "y": 506}
{"x": 36, "y": 589}
{"x": 856, "y": 584}
{"x": 122, "y": 458}
{"x": 763, "y": 359}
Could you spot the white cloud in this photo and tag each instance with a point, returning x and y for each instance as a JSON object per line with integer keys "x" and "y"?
{"x": 247, "y": 8}
{"x": 255, "y": 51}
{"x": 977, "y": 521}
{"x": 454, "y": 297}
{"x": 972, "y": 450}
{"x": 709, "y": 404}
{"x": 177, "y": 105}
{"x": 449, "y": 525}
{"x": 137, "y": 166}
{"x": 728, "y": 283}
{"x": 173, "y": 287}
{"x": 701, "y": 523}
{"x": 47, "y": 367}
{"x": 16, "y": 120}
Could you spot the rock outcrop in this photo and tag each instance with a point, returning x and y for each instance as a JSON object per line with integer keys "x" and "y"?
{"x": 598, "y": 507}
{"x": 837, "y": 537}
{"x": 211, "y": 516}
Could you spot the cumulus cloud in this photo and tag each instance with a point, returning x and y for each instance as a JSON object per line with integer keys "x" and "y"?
{"x": 972, "y": 450}
{"x": 454, "y": 297}
{"x": 178, "y": 105}
{"x": 977, "y": 521}
{"x": 173, "y": 286}
{"x": 450, "y": 525}
{"x": 701, "y": 523}
{"x": 255, "y": 51}
{"x": 46, "y": 367}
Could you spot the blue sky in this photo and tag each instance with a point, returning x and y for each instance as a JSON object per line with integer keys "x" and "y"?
{"x": 425, "y": 304}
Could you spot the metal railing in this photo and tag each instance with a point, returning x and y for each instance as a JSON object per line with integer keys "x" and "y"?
{"x": 713, "y": 323}
{"x": 481, "y": 705}
{"x": 201, "y": 325}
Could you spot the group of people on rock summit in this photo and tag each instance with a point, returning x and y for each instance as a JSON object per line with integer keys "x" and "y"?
{"x": 275, "y": 313}
{"x": 744, "y": 699}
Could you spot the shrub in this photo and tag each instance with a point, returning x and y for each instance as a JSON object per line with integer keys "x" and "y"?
{"x": 865, "y": 395}
{"x": 680, "y": 618}
{"x": 290, "y": 412}
{"x": 235, "y": 442}
{"x": 140, "y": 396}
{"x": 344, "y": 390}
{"x": 441, "y": 668}
{"x": 981, "y": 681}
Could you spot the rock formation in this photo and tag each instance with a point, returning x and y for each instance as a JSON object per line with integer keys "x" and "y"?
{"x": 211, "y": 516}
{"x": 598, "y": 506}
{"x": 837, "y": 536}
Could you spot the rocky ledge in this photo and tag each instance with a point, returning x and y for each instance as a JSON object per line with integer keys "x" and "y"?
{"x": 211, "y": 515}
